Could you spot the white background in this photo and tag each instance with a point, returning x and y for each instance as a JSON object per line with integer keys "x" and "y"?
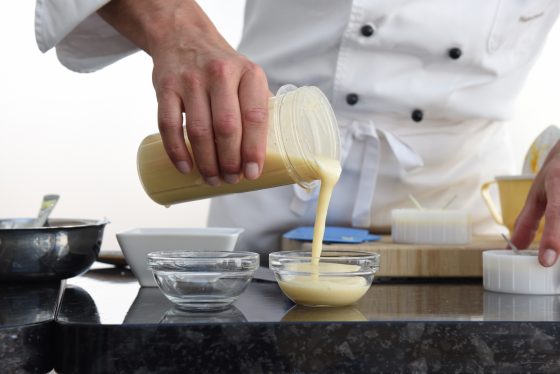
{"x": 77, "y": 134}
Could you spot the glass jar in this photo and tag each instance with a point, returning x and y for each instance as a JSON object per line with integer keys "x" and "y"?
{"x": 302, "y": 128}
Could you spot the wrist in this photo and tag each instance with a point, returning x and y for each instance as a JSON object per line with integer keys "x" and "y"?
{"x": 156, "y": 24}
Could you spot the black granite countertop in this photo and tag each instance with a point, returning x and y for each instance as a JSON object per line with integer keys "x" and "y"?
{"x": 106, "y": 323}
{"x": 27, "y": 314}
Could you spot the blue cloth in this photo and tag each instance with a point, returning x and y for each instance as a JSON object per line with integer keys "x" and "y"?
{"x": 333, "y": 234}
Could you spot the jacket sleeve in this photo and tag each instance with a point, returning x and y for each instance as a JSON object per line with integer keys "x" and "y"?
{"x": 84, "y": 42}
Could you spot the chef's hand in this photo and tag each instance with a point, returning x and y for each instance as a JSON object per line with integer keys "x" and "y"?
{"x": 543, "y": 200}
{"x": 224, "y": 95}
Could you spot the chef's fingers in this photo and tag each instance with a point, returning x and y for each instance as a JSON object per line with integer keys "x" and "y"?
{"x": 543, "y": 201}
{"x": 226, "y": 118}
{"x": 199, "y": 128}
{"x": 170, "y": 123}
{"x": 549, "y": 247}
{"x": 527, "y": 222}
{"x": 253, "y": 99}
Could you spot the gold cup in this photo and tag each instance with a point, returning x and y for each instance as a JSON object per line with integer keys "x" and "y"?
{"x": 513, "y": 191}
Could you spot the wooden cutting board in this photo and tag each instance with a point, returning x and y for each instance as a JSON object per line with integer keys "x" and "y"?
{"x": 419, "y": 260}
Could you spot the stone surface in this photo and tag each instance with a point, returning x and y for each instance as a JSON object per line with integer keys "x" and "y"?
{"x": 106, "y": 323}
{"x": 441, "y": 325}
{"x": 27, "y": 328}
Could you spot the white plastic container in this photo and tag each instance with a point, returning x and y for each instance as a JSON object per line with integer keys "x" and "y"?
{"x": 430, "y": 226}
{"x": 504, "y": 271}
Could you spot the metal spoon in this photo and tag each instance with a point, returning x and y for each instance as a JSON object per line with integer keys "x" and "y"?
{"x": 47, "y": 205}
{"x": 49, "y": 202}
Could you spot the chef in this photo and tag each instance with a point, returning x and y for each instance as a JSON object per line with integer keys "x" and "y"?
{"x": 422, "y": 90}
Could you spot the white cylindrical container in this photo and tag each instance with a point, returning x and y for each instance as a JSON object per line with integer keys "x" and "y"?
{"x": 505, "y": 271}
{"x": 430, "y": 226}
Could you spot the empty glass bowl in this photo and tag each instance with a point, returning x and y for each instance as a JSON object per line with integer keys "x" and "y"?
{"x": 202, "y": 280}
{"x": 339, "y": 278}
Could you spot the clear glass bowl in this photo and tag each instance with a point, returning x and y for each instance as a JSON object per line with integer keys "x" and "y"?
{"x": 339, "y": 278}
{"x": 202, "y": 280}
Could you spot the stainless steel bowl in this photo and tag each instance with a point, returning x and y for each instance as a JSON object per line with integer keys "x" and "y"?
{"x": 62, "y": 249}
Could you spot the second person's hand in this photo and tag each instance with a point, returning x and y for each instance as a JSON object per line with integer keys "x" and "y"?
{"x": 224, "y": 95}
{"x": 543, "y": 201}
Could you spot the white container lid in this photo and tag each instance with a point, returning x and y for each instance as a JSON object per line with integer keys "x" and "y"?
{"x": 504, "y": 271}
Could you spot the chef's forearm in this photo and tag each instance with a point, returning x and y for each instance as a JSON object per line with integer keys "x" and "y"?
{"x": 153, "y": 24}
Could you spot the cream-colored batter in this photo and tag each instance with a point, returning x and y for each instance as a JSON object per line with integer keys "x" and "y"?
{"x": 329, "y": 172}
{"x": 325, "y": 290}
{"x": 316, "y": 289}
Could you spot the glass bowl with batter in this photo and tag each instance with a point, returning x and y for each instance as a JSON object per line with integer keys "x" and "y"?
{"x": 338, "y": 278}
{"x": 199, "y": 280}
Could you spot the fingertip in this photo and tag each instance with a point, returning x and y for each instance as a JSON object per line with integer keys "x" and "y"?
{"x": 231, "y": 178}
{"x": 213, "y": 181}
{"x": 252, "y": 171}
{"x": 548, "y": 257}
{"x": 183, "y": 166}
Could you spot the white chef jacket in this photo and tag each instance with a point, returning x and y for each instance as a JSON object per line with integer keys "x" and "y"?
{"x": 421, "y": 90}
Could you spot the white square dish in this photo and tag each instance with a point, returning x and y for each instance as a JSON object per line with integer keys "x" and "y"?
{"x": 138, "y": 242}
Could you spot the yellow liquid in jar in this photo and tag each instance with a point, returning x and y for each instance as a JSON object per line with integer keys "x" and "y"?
{"x": 166, "y": 185}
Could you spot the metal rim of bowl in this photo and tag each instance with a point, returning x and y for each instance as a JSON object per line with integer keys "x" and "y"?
{"x": 66, "y": 223}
